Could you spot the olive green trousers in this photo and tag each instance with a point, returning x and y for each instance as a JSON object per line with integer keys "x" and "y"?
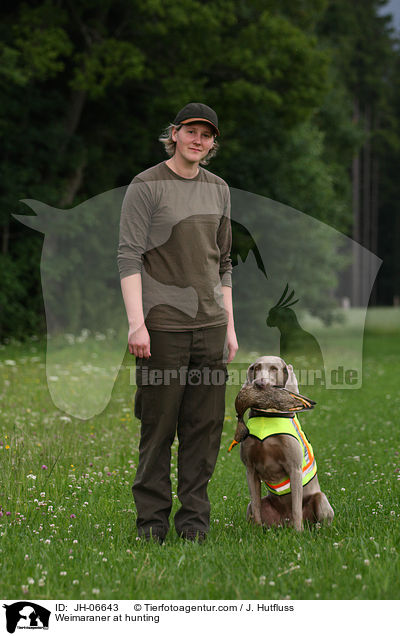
{"x": 181, "y": 389}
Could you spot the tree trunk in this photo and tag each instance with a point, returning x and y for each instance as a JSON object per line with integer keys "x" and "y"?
{"x": 355, "y": 292}
{"x": 396, "y": 254}
{"x": 366, "y": 206}
{"x": 5, "y": 239}
{"x": 74, "y": 114}
{"x": 73, "y": 186}
{"x": 375, "y": 219}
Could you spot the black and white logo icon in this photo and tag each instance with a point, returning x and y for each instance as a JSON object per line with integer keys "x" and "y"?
{"x": 26, "y": 615}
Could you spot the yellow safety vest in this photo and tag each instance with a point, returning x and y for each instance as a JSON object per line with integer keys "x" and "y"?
{"x": 263, "y": 427}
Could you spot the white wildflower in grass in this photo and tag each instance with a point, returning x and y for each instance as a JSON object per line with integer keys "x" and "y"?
{"x": 63, "y": 573}
{"x": 308, "y": 581}
{"x": 31, "y": 581}
{"x": 30, "y": 476}
{"x": 41, "y": 582}
{"x": 96, "y": 590}
{"x": 10, "y": 363}
{"x": 358, "y": 577}
{"x": 75, "y": 582}
{"x": 26, "y": 557}
{"x": 262, "y": 580}
{"x": 366, "y": 561}
{"x": 25, "y": 588}
{"x": 272, "y": 583}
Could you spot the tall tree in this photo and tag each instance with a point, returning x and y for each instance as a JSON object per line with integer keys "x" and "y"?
{"x": 363, "y": 50}
{"x": 87, "y": 87}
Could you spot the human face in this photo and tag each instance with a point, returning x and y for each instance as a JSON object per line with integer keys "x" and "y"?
{"x": 193, "y": 142}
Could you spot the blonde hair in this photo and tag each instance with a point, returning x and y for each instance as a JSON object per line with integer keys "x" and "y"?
{"x": 169, "y": 144}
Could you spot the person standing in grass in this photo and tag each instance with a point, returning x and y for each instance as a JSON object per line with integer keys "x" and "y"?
{"x": 175, "y": 269}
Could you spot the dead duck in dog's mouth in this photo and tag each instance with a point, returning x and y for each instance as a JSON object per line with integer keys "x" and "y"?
{"x": 267, "y": 399}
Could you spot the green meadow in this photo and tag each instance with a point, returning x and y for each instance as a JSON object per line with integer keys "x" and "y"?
{"x": 67, "y": 519}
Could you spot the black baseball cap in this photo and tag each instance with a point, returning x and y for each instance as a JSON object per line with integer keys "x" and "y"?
{"x": 195, "y": 111}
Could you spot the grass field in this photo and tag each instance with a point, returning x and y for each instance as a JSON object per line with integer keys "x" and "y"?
{"x": 68, "y": 520}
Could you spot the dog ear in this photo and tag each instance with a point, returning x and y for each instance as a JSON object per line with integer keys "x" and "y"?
{"x": 285, "y": 373}
{"x": 250, "y": 373}
{"x": 291, "y": 382}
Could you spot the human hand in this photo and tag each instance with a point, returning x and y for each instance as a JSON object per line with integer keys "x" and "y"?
{"x": 232, "y": 343}
{"x": 139, "y": 342}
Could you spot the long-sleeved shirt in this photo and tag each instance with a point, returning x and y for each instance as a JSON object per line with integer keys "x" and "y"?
{"x": 176, "y": 232}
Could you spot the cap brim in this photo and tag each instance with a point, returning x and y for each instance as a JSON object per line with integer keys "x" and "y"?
{"x": 187, "y": 121}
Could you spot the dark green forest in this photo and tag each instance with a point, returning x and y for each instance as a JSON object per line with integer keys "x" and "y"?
{"x": 307, "y": 92}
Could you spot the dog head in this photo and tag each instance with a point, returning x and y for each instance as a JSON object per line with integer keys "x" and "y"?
{"x": 274, "y": 371}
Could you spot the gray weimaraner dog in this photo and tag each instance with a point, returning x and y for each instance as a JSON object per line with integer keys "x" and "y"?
{"x": 276, "y": 451}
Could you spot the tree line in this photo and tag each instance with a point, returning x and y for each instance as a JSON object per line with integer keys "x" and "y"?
{"x": 307, "y": 93}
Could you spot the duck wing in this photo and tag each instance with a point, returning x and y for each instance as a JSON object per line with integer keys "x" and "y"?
{"x": 282, "y": 400}
{"x": 278, "y": 400}
{"x": 300, "y": 401}
{"x": 271, "y": 399}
